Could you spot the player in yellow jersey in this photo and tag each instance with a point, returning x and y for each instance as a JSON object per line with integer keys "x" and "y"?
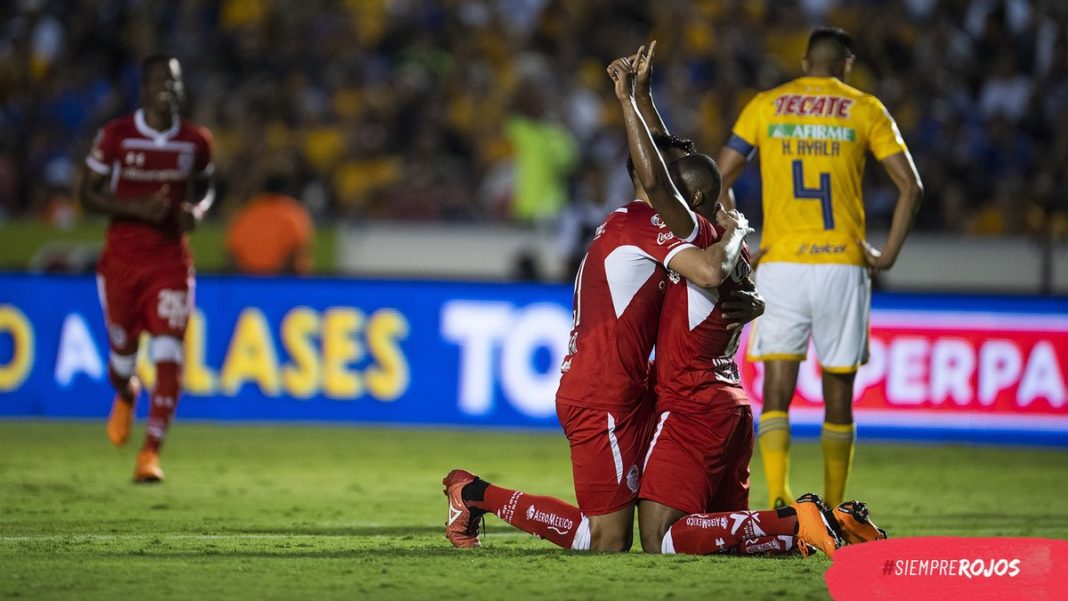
{"x": 812, "y": 136}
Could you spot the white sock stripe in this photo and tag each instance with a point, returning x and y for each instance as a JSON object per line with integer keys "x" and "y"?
{"x": 772, "y": 424}
{"x": 656, "y": 436}
{"x": 841, "y": 436}
{"x": 123, "y": 364}
{"x": 617, "y": 457}
{"x": 582, "y": 536}
{"x": 166, "y": 348}
{"x": 667, "y": 546}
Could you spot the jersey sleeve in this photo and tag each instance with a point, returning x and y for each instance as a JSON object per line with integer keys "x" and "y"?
{"x": 104, "y": 151}
{"x": 745, "y": 137}
{"x": 884, "y": 138}
{"x": 656, "y": 240}
{"x": 204, "y": 164}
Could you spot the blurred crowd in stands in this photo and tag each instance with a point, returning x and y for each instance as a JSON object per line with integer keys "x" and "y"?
{"x": 468, "y": 110}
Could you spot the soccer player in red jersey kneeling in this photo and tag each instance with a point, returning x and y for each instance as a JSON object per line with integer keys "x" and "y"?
{"x": 604, "y": 401}
{"x": 151, "y": 173}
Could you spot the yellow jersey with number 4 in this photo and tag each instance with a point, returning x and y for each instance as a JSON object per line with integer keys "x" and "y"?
{"x": 812, "y": 136}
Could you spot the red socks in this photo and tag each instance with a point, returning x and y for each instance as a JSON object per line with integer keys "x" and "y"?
{"x": 743, "y": 532}
{"x": 552, "y": 519}
{"x": 164, "y": 401}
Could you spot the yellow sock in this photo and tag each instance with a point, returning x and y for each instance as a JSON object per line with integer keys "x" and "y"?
{"x": 837, "y": 441}
{"x": 773, "y": 434}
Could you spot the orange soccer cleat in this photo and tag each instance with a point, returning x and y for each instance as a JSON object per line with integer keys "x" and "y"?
{"x": 147, "y": 470}
{"x": 855, "y": 525}
{"x": 813, "y": 528}
{"x": 461, "y": 528}
{"x": 120, "y": 420}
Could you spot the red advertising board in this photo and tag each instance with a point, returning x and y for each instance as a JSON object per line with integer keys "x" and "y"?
{"x": 976, "y": 370}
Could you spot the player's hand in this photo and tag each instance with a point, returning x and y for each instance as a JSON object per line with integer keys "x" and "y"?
{"x": 742, "y": 307}
{"x": 154, "y": 207}
{"x": 622, "y": 73}
{"x": 732, "y": 219}
{"x": 189, "y": 216}
{"x": 877, "y": 261}
{"x": 643, "y": 68}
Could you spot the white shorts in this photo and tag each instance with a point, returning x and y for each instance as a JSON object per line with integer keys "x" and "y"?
{"x": 829, "y": 302}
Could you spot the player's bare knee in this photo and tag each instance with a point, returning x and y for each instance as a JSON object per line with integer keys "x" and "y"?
{"x": 652, "y": 541}
{"x": 609, "y": 534}
{"x": 838, "y": 397}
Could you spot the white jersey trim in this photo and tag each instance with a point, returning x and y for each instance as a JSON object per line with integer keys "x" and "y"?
{"x": 675, "y": 251}
{"x": 97, "y": 166}
{"x": 159, "y": 137}
{"x": 627, "y": 268}
{"x": 656, "y": 436}
{"x": 617, "y": 457}
{"x": 174, "y": 145}
{"x": 700, "y": 303}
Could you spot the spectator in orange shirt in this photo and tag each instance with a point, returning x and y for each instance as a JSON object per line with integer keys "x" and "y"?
{"x": 272, "y": 234}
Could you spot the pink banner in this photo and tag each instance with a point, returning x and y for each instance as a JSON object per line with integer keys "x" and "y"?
{"x": 938, "y": 568}
{"x": 975, "y": 370}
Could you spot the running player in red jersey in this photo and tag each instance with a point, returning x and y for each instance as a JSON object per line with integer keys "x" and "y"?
{"x": 151, "y": 173}
{"x": 603, "y": 402}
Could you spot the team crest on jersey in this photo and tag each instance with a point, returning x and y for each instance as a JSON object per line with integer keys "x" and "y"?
{"x": 633, "y": 478}
{"x": 657, "y": 222}
{"x": 185, "y": 161}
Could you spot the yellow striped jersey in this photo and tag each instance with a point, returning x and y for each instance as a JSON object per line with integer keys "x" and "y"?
{"x": 812, "y": 135}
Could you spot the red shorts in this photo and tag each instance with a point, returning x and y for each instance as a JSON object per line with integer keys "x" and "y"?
{"x": 607, "y": 448}
{"x": 699, "y": 463}
{"x": 151, "y": 296}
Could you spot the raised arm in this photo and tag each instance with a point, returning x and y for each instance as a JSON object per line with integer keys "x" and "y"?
{"x": 643, "y": 93}
{"x": 649, "y": 166}
{"x": 909, "y": 195}
{"x": 710, "y": 267}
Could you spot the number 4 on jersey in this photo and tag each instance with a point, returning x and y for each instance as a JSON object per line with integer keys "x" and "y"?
{"x": 823, "y": 193}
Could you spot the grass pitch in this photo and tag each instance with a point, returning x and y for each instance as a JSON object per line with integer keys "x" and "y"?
{"x": 356, "y": 513}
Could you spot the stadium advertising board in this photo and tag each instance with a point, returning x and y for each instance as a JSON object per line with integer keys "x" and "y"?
{"x": 403, "y": 352}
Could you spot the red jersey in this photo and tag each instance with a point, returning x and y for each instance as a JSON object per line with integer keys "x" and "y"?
{"x": 618, "y": 292}
{"x": 695, "y": 366}
{"x": 140, "y": 160}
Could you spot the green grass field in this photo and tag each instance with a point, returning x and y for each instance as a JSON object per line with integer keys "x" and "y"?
{"x": 258, "y": 512}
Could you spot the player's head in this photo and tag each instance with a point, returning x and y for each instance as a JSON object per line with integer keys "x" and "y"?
{"x": 697, "y": 178}
{"x": 161, "y": 83}
{"x": 831, "y": 51}
{"x": 670, "y": 147}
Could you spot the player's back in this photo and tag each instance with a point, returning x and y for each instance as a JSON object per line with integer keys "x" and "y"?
{"x": 695, "y": 367}
{"x": 618, "y": 292}
{"x": 812, "y": 135}
{"x": 139, "y": 162}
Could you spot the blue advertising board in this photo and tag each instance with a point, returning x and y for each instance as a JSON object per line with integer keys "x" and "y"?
{"x": 357, "y": 350}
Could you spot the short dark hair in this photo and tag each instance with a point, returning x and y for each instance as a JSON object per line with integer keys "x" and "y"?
{"x": 697, "y": 173}
{"x": 665, "y": 142}
{"x": 834, "y": 38}
{"x": 158, "y": 58}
